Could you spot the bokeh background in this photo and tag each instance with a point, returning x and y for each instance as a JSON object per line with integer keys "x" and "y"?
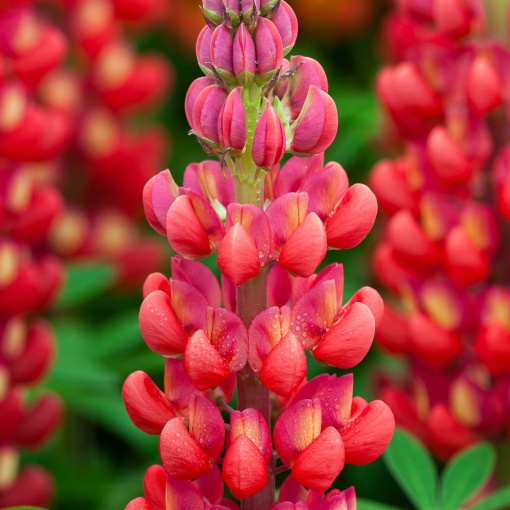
{"x": 98, "y": 457}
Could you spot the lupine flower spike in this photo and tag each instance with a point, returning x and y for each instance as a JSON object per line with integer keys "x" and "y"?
{"x": 444, "y": 249}
{"x": 270, "y": 222}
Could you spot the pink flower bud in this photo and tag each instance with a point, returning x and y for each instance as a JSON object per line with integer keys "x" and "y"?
{"x": 284, "y": 369}
{"x": 248, "y": 7}
{"x": 269, "y": 50}
{"x": 213, "y": 10}
{"x": 221, "y": 52}
{"x": 191, "y": 96}
{"x": 315, "y": 128}
{"x": 307, "y": 72}
{"x": 269, "y": 139}
{"x": 484, "y": 88}
{"x": 203, "y": 50}
{"x": 146, "y": 404}
{"x": 206, "y": 111}
{"x": 233, "y": 11}
{"x": 232, "y": 122}
{"x": 203, "y": 363}
{"x": 286, "y": 22}
{"x": 244, "y": 56}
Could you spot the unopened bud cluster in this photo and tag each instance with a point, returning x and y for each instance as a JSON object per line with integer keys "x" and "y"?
{"x": 270, "y": 224}
{"x": 444, "y": 252}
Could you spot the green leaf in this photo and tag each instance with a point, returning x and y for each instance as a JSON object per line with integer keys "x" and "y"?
{"x": 465, "y": 475}
{"x": 85, "y": 281}
{"x": 496, "y": 501}
{"x": 23, "y": 508}
{"x": 365, "y": 504}
{"x": 413, "y": 468}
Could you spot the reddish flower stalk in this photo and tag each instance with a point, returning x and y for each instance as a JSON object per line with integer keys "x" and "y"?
{"x": 270, "y": 225}
{"x": 445, "y": 250}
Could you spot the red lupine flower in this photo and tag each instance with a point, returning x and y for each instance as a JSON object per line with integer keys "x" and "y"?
{"x": 247, "y": 335}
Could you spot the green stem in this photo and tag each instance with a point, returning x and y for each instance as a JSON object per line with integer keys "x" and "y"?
{"x": 251, "y": 295}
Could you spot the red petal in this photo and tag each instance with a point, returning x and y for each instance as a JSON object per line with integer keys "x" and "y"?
{"x": 146, "y": 404}
{"x": 320, "y": 463}
{"x": 285, "y": 367}
{"x": 353, "y": 218}
{"x": 244, "y": 469}
{"x": 159, "y": 326}
{"x": 306, "y": 248}
{"x": 238, "y": 257}
{"x": 181, "y": 455}
{"x": 203, "y": 363}
{"x": 368, "y": 434}
{"x": 349, "y": 340}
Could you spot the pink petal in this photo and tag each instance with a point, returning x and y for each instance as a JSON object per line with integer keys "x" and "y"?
{"x": 159, "y": 325}
{"x": 353, "y": 218}
{"x": 368, "y": 434}
{"x": 206, "y": 426}
{"x": 285, "y": 367}
{"x": 182, "y": 456}
{"x": 186, "y": 235}
{"x": 321, "y": 462}
{"x": 244, "y": 469}
{"x": 315, "y": 128}
{"x": 306, "y": 248}
{"x": 349, "y": 340}
{"x": 228, "y": 335}
{"x": 296, "y": 428}
{"x": 253, "y": 425}
{"x": 372, "y": 299}
{"x": 238, "y": 268}
{"x": 199, "y": 276}
{"x": 203, "y": 363}
{"x": 146, "y": 404}
{"x": 183, "y": 495}
{"x": 266, "y": 330}
{"x": 315, "y": 313}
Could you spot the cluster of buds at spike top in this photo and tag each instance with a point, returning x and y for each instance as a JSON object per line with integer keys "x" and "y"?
{"x": 242, "y": 51}
{"x": 444, "y": 247}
